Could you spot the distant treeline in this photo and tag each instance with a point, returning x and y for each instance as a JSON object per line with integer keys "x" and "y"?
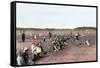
{"x": 51, "y": 29}
{"x": 29, "y": 29}
{"x": 85, "y": 28}
{"x": 48, "y": 29}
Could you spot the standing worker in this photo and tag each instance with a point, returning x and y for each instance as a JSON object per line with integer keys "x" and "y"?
{"x": 23, "y": 37}
{"x": 50, "y": 35}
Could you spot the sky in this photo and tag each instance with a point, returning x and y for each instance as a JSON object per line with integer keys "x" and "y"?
{"x": 54, "y": 16}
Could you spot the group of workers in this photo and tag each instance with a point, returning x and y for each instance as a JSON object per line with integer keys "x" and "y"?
{"x": 58, "y": 43}
{"x": 26, "y": 55}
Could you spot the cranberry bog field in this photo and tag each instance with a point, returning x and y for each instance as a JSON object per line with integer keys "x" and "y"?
{"x": 72, "y": 52}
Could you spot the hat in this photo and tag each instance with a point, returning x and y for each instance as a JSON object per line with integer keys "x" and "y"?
{"x": 25, "y": 49}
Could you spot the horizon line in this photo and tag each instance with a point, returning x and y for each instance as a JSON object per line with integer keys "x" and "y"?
{"x": 55, "y": 28}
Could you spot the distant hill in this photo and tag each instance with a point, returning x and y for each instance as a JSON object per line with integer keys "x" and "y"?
{"x": 85, "y": 28}
{"x": 51, "y": 29}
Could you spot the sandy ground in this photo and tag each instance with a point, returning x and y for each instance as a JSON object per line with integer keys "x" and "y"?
{"x": 70, "y": 53}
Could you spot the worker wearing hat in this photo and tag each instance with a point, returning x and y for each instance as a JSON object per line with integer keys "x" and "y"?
{"x": 25, "y": 55}
{"x": 36, "y": 51}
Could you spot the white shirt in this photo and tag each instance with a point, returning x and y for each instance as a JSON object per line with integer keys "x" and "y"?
{"x": 20, "y": 60}
{"x": 32, "y": 47}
